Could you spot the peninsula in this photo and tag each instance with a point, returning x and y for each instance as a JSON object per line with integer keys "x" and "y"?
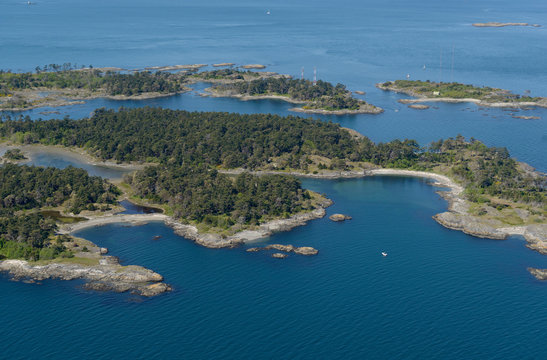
{"x": 428, "y": 91}
{"x": 34, "y": 201}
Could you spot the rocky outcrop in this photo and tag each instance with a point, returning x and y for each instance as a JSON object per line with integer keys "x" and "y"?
{"x": 109, "y": 275}
{"x": 304, "y": 250}
{"x": 418, "y": 106}
{"x": 253, "y": 66}
{"x": 279, "y": 255}
{"x": 540, "y": 274}
{"x": 339, "y": 217}
{"x": 469, "y": 225}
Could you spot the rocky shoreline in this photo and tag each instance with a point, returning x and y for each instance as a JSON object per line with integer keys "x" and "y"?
{"x": 109, "y": 275}
{"x": 209, "y": 240}
{"x": 457, "y": 217}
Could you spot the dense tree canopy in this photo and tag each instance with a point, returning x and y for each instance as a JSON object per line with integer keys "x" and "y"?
{"x": 112, "y": 83}
{"x": 24, "y": 232}
{"x": 204, "y": 195}
{"x": 153, "y": 134}
{"x": 174, "y": 137}
{"x": 322, "y": 95}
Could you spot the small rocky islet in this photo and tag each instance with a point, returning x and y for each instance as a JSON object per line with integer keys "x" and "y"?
{"x": 303, "y": 250}
{"x": 339, "y": 217}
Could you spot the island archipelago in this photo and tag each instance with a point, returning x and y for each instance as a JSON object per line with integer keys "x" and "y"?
{"x": 223, "y": 179}
{"x": 59, "y": 85}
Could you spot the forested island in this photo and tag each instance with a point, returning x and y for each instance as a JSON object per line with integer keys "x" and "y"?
{"x": 222, "y": 178}
{"x": 58, "y": 85}
{"x": 199, "y": 141}
{"x": 316, "y": 97}
{"x": 53, "y": 85}
{"x": 426, "y": 91}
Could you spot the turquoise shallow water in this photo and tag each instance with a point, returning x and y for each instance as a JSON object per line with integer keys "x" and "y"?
{"x": 438, "y": 294}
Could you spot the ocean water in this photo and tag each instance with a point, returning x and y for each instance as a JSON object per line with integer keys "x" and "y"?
{"x": 438, "y": 294}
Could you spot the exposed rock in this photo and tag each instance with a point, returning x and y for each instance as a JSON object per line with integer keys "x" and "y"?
{"x": 157, "y": 237}
{"x": 253, "y": 66}
{"x": 305, "y": 250}
{"x": 418, "y": 106}
{"x": 107, "y": 276}
{"x": 103, "y": 251}
{"x": 358, "y": 92}
{"x": 536, "y": 236}
{"x": 468, "y": 225}
{"x": 223, "y": 64}
{"x": 216, "y": 241}
{"x": 279, "y": 255}
{"x": 109, "y": 260}
{"x": 286, "y": 248}
{"x": 339, "y": 217}
{"x": 540, "y": 274}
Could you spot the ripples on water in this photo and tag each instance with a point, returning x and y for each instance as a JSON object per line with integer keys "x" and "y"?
{"x": 438, "y": 294}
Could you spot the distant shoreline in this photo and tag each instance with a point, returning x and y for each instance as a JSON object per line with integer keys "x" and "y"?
{"x": 499, "y": 24}
{"x": 211, "y": 92}
{"x": 420, "y": 98}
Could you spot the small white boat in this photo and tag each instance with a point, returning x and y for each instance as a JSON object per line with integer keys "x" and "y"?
{"x": 268, "y": 12}
{"x": 384, "y": 253}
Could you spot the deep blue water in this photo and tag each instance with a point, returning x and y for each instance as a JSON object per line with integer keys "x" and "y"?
{"x": 438, "y": 294}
